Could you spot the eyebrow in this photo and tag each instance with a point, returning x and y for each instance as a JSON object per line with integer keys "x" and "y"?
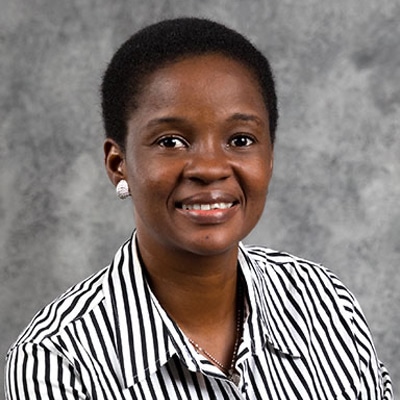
{"x": 232, "y": 118}
{"x": 245, "y": 117}
{"x": 166, "y": 120}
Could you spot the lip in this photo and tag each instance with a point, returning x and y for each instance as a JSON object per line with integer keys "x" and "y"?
{"x": 208, "y": 208}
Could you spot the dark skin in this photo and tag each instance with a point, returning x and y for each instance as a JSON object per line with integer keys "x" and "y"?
{"x": 198, "y": 160}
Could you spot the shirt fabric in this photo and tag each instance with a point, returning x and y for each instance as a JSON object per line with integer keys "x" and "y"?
{"x": 304, "y": 337}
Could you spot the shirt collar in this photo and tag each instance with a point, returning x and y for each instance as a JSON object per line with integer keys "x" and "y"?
{"x": 272, "y": 319}
{"x": 146, "y": 338}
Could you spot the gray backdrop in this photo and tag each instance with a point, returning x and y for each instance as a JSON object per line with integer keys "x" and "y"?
{"x": 334, "y": 196}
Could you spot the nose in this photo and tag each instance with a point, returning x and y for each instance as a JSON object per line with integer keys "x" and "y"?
{"x": 207, "y": 164}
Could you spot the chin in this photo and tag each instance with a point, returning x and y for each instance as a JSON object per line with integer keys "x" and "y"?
{"x": 212, "y": 245}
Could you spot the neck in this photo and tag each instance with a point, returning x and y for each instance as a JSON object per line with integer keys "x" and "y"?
{"x": 199, "y": 293}
{"x": 196, "y": 290}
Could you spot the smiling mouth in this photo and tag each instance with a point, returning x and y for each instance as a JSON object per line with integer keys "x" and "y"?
{"x": 206, "y": 207}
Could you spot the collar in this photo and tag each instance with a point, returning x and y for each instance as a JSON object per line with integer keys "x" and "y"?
{"x": 146, "y": 338}
{"x": 273, "y": 319}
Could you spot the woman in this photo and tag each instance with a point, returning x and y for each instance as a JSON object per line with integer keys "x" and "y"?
{"x": 185, "y": 311}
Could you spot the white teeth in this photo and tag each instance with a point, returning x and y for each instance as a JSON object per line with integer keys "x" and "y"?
{"x": 206, "y": 207}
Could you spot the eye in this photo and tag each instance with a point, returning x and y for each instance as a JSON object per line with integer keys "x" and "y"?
{"x": 241, "y": 140}
{"x": 171, "y": 142}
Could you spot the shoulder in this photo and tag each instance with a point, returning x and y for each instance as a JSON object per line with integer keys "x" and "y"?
{"x": 307, "y": 278}
{"x": 267, "y": 259}
{"x": 309, "y": 298}
{"x": 73, "y": 305}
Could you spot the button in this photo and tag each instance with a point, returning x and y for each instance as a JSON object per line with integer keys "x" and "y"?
{"x": 235, "y": 378}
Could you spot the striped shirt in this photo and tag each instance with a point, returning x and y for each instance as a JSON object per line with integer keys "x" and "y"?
{"x": 304, "y": 337}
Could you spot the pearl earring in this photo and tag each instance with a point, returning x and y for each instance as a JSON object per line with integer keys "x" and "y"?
{"x": 122, "y": 189}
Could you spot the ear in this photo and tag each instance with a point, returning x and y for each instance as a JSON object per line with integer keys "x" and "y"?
{"x": 114, "y": 159}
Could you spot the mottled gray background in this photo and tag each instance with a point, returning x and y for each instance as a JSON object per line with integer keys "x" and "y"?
{"x": 335, "y": 193}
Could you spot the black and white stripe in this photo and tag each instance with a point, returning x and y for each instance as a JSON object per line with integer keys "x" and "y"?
{"x": 108, "y": 338}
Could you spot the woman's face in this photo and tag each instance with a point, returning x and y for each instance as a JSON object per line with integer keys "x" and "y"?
{"x": 198, "y": 156}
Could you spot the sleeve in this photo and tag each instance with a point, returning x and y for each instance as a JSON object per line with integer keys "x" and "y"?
{"x": 375, "y": 380}
{"x": 34, "y": 372}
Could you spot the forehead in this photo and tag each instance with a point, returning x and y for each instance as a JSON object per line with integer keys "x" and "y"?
{"x": 200, "y": 76}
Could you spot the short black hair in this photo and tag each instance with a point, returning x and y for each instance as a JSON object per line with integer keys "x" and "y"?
{"x": 168, "y": 41}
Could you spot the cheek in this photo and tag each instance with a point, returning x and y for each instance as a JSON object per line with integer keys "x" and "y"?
{"x": 151, "y": 185}
{"x": 257, "y": 183}
{"x": 259, "y": 176}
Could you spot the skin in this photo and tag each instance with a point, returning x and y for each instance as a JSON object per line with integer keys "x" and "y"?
{"x": 199, "y": 136}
